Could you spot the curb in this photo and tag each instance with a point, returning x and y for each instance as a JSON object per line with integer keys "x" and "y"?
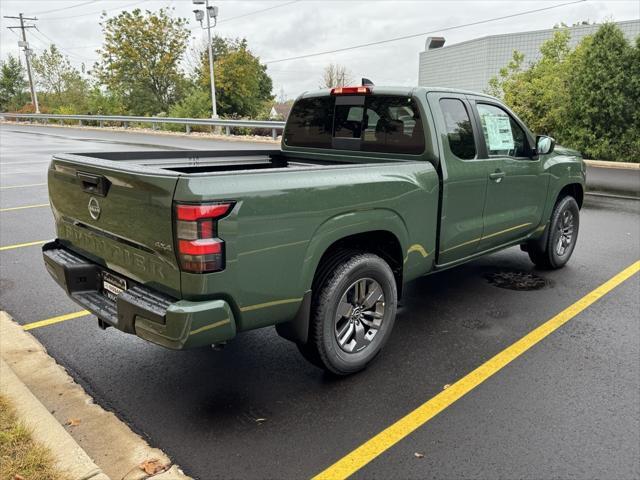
{"x": 69, "y": 457}
{"x": 98, "y": 446}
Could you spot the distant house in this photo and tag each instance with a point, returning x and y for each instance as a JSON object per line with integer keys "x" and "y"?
{"x": 280, "y": 111}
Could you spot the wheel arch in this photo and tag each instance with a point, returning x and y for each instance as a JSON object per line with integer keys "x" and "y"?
{"x": 379, "y": 231}
{"x": 576, "y": 190}
{"x": 556, "y": 192}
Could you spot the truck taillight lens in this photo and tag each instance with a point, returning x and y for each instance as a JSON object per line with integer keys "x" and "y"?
{"x": 200, "y": 250}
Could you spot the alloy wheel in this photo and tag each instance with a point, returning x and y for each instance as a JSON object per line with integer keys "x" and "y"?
{"x": 359, "y": 315}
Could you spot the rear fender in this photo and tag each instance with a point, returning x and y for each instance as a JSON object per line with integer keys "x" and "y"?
{"x": 345, "y": 225}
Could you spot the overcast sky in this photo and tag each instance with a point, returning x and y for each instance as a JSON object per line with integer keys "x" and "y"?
{"x": 302, "y": 27}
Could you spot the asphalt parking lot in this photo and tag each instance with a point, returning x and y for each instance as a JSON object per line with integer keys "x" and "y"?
{"x": 569, "y": 407}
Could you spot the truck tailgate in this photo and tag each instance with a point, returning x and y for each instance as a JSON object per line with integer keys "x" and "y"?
{"x": 118, "y": 215}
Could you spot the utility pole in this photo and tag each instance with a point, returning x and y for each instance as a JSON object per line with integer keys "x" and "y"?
{"x": 210, "y": 12}
{"x": 27, "y": 54}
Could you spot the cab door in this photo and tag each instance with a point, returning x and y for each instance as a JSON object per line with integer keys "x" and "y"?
{"x": 464, "y": 179}
{"x": 516, "y": 187}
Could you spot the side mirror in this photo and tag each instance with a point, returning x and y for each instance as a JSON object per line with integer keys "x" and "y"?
{"x": 544, "y": 144}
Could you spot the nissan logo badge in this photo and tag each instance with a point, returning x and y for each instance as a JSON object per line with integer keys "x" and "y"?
{"x": 94, "y": 208}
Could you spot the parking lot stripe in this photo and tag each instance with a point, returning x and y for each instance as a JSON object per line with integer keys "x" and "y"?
{"x": 23, "y": 186}
{"x": 20, "y": 245}
{"x": 11, "y": 209}
{"x": 53, "y": 320}
{"x": 384, "y": 440}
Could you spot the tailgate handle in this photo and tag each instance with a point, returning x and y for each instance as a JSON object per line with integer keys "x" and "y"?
{"x": 94, "y": 184}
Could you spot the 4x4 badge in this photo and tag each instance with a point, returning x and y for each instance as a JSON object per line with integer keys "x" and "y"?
{"x": 94, "y": 208}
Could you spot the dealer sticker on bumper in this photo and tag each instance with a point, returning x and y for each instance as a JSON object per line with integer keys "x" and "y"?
{"x": 112, "y": 286}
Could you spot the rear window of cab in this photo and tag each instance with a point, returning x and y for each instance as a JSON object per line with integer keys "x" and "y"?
{"x": 376, "y": 123}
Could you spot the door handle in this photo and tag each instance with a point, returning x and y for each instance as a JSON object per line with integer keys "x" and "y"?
{"x": 497, "y": 176}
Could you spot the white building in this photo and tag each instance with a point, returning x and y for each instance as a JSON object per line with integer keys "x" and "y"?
{"x": 470, "y": 65}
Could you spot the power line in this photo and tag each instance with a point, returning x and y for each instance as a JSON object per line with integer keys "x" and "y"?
{"x": 66, "y": 8}
{"x": 97, "y": 12}
{"x": 257, "y": 11}
{"x": 414, "y": 35}
{"x": 52, "y": 42}
{"x": 48, "y": 40}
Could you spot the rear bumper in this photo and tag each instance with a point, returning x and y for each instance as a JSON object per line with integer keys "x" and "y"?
{"x": 139, "y": 310}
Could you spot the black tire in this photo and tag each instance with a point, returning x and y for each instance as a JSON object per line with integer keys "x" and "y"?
{"x": 369, "y": 317}
{"x": 556, "y": 247}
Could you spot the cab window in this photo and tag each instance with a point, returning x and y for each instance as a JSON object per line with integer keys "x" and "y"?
{"x": 375, "y": 123}
{"x": 348, "y": 121}
{"x": 392, "y": 125}
{"x": 458, "y": 128}
{"x": 311, "y": 123}
{"x": 502, "y": 134}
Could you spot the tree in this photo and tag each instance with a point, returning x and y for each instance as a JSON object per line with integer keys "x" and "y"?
{"x": 243, "y": 87}
{"x": 603, "y": 90}
{"x": 103, "y": 102}
{"x": 13, "y": 93}
{"x": 62, "y": 84}
{"x": 197, "y": 104}
{"x": 583, "y": 97}
{"x": 335, "y": 75}
{"x": 140, "y": 59}
{"x": 536, "y": 93}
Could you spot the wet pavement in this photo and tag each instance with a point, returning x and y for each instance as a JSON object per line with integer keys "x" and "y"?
{"x": 567, "y": 408}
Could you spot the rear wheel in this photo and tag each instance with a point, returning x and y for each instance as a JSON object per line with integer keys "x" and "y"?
{"x": 353, "y": 312}
{"x": 561, "y": 239}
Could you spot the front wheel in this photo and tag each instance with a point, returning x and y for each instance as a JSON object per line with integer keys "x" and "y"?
{"x": 352, "y": 314}
{"x": 561, "y": 239}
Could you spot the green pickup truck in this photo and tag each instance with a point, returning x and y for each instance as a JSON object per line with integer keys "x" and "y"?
{"x": 372, "y": 188}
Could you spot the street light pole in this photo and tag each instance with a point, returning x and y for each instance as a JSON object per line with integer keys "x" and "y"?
{"x": 209, "y": 12}
{"x": 214, "y": 110}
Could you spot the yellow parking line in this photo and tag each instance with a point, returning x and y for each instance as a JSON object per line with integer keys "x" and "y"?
{"x": 384, "y": 440}
{"x": 11, "y": 209}
{"x": 23, "y": 186}
{"x": 20, "y": 245}
{"x": 58, "y": 319}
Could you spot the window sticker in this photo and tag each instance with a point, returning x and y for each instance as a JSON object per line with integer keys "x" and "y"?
{"x": 498, "y": 132}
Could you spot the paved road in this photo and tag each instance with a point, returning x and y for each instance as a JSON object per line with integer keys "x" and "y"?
{"x": 569, "y": 407}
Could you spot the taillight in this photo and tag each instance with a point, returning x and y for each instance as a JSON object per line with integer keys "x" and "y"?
{"x": 199, "y": 248}
{"x": 350, "y": 90}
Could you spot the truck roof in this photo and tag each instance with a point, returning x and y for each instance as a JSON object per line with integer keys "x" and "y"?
{"x": 397, "y": 90}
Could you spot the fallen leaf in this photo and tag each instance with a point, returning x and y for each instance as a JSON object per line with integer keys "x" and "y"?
{"x": 152, "y": 466}
{"x": 418, "y": 455}
{"x": 17, "y": 476}
{"x": 261, "y": 420}
{"x": 446, "y": 386}
{"x": 73, "y": 422}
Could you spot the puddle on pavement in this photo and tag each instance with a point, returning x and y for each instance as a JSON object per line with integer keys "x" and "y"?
{"x": 513, "y": 280}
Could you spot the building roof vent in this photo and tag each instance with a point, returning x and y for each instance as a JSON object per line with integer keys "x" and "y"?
{"x": 434, "y": 42}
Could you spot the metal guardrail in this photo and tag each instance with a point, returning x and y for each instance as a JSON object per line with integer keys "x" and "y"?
{"x": 154, "y": 121}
